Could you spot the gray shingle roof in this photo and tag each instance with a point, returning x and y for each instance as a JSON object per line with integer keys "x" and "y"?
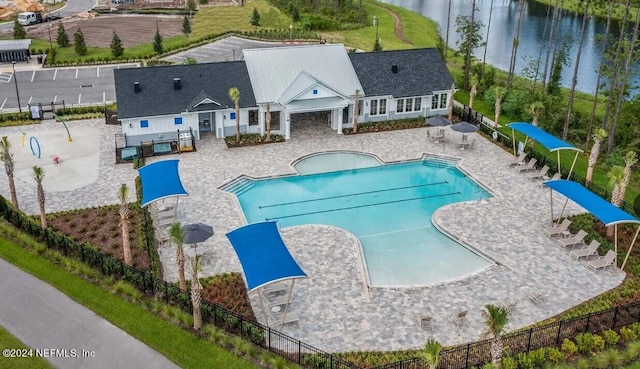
{"x": 420, "y": 72}
{"x": 158, "y": 97}
{"x": 15, "y": 45}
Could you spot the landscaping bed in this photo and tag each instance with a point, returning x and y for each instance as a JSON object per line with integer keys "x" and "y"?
{"x": 389, "y": 125}
{"x": 252, "y": 139}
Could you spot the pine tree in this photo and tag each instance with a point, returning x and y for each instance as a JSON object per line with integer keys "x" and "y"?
{"x": 377, "y": 46}
{"x": 186, "y": 26}
{"x": 78, "y": 43}
{"x": 116, "y": 46}
{"x": 63, "y": 38}
{"x": 19, "y": 32}
{"x": 157, "y": 43}
{"x": 191, "y": 5}
{"x": 255, "y": 18}
{"x": 295, "y": 14}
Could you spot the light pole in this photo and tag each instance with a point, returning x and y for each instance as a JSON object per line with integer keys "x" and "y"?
{"x": 290, "y": 32}
{"x": 15, "y": 81}
{"x": 375, "y": 23}
{"x": 51, "y": 45}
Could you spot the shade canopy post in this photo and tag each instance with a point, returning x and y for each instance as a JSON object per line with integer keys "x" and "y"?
{"x": 575, "y": 158}
{"x": 286, "y": 307}
{"x": 559, "y": 162}
{"x": 635, "y": 238}
{"x": 513, "y": 141}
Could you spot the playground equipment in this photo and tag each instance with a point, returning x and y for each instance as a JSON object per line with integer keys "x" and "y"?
{"x": 65, "y": 126}
{"x": 31, "y": 141}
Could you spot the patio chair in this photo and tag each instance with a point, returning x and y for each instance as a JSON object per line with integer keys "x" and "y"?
{"x": 539, "y": 174}
{"x": 472, "y": 145}
{"x": 288, "y": 319}
{"x": 536, "y": 297}
{"x": 509, "y": 305}
{"x": 519, "y": 160}
{"x": 573, "y": 241}
{"x": 460, "y": 317}
{"x": 425, "y": 321}
{"x": 531, "y": 165}
{"x": 277, "y": 300}
{"x": 556, "y": 176}
{"x": 557, "y": 229}
{"x": 603, "y": 261}
{"x": 585, "y": 252}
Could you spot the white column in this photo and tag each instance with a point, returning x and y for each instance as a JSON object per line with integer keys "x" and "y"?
{"x": 261, "y": 112}
{"x": 287, "y": 126}
{"x": 340, "y": 121}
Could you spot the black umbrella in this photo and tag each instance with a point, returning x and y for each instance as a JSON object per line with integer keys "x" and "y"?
{"x": 464, "y": 127}
{"x": 438, "y": 121}
{"x": 197, "y": 232}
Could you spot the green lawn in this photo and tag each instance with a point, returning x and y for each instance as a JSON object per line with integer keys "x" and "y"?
{"x": 179, "y": 346}
{"x": 8, "y": 341}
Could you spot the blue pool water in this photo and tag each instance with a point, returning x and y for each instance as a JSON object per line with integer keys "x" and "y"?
{"x": 387, "y": 207}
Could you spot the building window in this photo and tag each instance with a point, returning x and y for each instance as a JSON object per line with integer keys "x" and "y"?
{"x": 399, "y": 105}
{"x": 439, "y": 101}
{"x": 144, "y": 124}
{"x": 408, "y": 105}
{"x": 253, "y": 117}
{"x": 418, "y": 104}
{"x": 177, "y": 120}
{"x": 383, "y": 107}
{"x": 374, "y": 107}
{"x": 315, "y": 91}
{"x": 232, "y": 115}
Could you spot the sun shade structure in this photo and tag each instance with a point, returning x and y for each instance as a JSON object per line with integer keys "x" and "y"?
{"x": 265, "y": 258}
{"x": 549, "y": 141}
{"x": 606, "y": 212}
{"x": 160, "y": 180}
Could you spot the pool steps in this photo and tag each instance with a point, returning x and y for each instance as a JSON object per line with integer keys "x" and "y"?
{"x": 239, "y": 186}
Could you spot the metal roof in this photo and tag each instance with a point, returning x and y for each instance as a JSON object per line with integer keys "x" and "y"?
{"x": 273, "y": 70}
{"x": 14, "y": 45}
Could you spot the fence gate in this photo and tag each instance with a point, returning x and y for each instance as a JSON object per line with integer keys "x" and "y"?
{"x": 111, "y": 116}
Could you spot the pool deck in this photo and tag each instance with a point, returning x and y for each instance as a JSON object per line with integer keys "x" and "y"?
{"x": 337, "y": 311}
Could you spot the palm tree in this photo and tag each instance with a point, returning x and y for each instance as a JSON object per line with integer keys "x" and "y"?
{"x": 536, "y": 109}
{"x": 474, "y": 89}
{"x": 499, "y": 93}
{"x": 123, "y": 196}
{"x": 516, "y": 42}
{"x": 176, "y": 234}
{"x": 234, "y": 94}
{"x": 616, "y": 178}
{"x": 629, "y": 161}
{"x": 38, "y": 175}
{"x": 496, "y": 319}
{"x": 196, "y": 294}
{"x": 356, "y": 112}
{"x": 7, "y": 157}
{"x": 431, "y": 353}
{"x": 268, "y": 119}
{"x": 598, "y": 137}
{"x": 453, "y": 91}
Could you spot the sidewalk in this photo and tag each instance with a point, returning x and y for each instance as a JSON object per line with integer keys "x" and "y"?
{"x": 45, "y": 319}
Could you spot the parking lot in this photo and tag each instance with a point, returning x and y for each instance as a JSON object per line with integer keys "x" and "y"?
{"x": 74, "y": 86}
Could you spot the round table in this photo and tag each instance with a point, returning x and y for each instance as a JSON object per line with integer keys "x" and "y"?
{"x": 276, "y": 309}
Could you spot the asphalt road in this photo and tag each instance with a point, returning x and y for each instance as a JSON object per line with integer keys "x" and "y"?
{"x": 74, "y": 86}
{"x": 73, "y": 7}
{"x": 45, "y": 319}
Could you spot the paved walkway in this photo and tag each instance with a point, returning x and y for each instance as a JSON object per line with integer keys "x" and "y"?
{"x": 69, "y": 335}
{"x": 338, "y": 311}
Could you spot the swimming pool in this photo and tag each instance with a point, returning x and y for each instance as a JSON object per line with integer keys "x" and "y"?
{"x": 387, "y": 207}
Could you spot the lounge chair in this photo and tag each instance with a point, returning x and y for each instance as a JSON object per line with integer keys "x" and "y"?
{"x": 425, "y": 321}
{"x": 536, "y": 297}
{"x": 556, "y": 176}
{"x": 288, "y": 318}
{"x": 472, "y": 145}
{"x": 603, "y": 261}
{"x": 585, "y": 252}
{"x": 573, "y": 241}
{"x": 540, "y": 174}
{"x": 274, "y": 289}
{"x": 519, "y": 160}
{"x": 531, "y": 165}
{"x": 557, "y": 230}
{"x": 460, "y": 317}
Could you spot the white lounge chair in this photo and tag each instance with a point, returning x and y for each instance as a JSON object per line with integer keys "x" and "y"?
{"x": 519, "y": 160}
{"x": 536, "y": 297}
{"x": 556, "y": 176}
{"x": 585, "y": 252}
{"x": 557, "y": 230}
{"x": 603, "y": 261}
{"x": 573, "y": 241}
{"x": 460, "y": 317}
{"x": 540, "y": 174}
{"x": 424, "y": 321}
{"x": 274, "y": 289}
{"x": 531, "y": 165}
{"x": 288, "y": 318}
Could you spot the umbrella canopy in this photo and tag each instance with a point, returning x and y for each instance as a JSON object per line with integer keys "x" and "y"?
{"x": 197, "y": 232}
{"x": 438, "y": 121}
{"x": 464, "y": 127}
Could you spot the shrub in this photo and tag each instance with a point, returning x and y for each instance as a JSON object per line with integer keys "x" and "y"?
{"x": 524, "y": 361}
{"x": 611, "y": 338}
{"x": 589, "y": 343}
{"x": 569, "y": 348}
{"x": 627, "y": 334}
{"x": 509, "y": 363}
{"x": 537, "y": 357}
{"x": 555, "y": 355}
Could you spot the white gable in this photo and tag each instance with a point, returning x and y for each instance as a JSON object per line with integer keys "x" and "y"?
{"x": 206, "y": 100}
{"x": 305, "y": 86}
{"x": 273, "y": 70}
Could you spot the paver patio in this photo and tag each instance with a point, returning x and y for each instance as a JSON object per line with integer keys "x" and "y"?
{"x": 338, "y": 311}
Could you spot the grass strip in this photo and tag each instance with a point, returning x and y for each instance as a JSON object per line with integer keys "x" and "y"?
{"x": 8, "y": 341}
{"x": 183, "y": 348}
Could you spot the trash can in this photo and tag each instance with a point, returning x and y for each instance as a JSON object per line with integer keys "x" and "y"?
{"x": 39, "y": 59}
